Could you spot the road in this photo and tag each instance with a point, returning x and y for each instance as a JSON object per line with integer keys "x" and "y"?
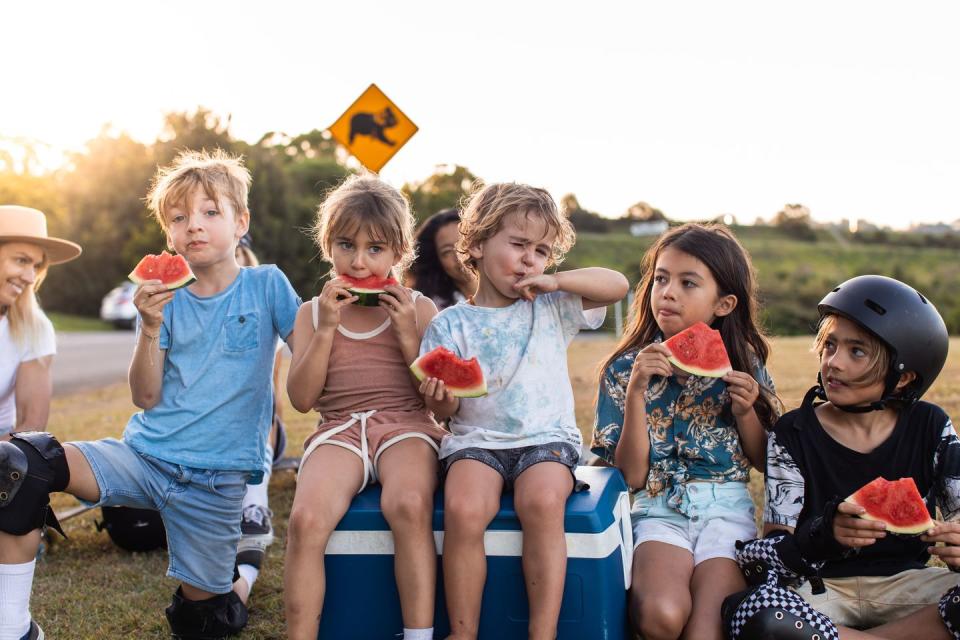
{"x": 90, "y": 359}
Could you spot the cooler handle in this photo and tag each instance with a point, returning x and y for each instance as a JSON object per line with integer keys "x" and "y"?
{"x": 622, "y": 517}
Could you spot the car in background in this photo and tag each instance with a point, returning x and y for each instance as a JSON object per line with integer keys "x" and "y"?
{"x": 117, "y": 306}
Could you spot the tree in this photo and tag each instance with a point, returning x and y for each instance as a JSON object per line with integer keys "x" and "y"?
{"x": 580, "y": 218}
{"x": 445, "y": 188}
{"x": 795, "y": 220}
{"x": 643, "y": 212}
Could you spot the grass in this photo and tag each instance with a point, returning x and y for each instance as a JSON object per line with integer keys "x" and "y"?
{"x": 67, "y": 322}
{"x": 87, "y": 588}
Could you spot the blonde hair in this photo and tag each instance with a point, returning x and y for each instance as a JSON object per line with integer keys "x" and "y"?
{"x": 488, "y": 206}
{"x": 246, "y": 257}
{"x": 366, "y": 202}
{"x": 218, "y": 173}
{"x": 25, "y": 317}
{"x": 879, "y": 363}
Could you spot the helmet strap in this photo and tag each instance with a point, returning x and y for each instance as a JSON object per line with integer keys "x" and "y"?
{"x": 890, "y": 384}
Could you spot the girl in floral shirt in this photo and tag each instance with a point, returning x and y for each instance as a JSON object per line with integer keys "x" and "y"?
{"x": 686, "y": 443}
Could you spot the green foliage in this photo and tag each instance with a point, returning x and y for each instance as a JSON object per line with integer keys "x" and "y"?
{"x": 581, "y": 219}
{"x": 795, "y": 274}
{"x": 443, "y": 190}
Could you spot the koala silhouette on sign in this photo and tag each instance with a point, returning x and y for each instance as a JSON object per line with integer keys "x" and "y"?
{"x": 373, "y": 124}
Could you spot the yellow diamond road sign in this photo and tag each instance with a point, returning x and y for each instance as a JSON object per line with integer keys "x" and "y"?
{"x": 373, "y": 129}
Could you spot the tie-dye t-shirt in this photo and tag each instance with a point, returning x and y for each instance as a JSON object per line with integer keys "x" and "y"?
{"x": 522, "y": 350}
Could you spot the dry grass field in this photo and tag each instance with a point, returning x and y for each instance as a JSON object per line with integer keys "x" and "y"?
{"x": 87, "y": 588}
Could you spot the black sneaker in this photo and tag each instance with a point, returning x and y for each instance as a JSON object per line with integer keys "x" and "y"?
{"x": 256, "y": 534}
{"x": 34, "y": 632}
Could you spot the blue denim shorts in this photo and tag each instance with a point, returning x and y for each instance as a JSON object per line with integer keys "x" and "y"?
{"x": 510, "y": 463}
{"x": 200, "y": 508}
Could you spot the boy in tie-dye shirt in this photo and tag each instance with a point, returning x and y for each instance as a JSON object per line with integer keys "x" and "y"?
{"x": 522, "y": 434}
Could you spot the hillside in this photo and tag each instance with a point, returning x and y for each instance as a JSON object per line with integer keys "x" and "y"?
{"x": 794, "y": 275}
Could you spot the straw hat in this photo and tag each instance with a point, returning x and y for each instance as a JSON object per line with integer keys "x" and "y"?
{"x": 23, "y": 224}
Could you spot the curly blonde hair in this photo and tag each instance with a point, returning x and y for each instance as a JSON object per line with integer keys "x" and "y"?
{"x": 218, "y": 173}
{"x": 366, "y": 202}
{"x": 489, "y": 205}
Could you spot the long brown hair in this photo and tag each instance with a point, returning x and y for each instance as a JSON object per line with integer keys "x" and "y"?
{"x": 728, "y": 262}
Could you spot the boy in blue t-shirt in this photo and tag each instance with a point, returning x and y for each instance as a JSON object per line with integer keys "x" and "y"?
{"x": 202, "y": 373}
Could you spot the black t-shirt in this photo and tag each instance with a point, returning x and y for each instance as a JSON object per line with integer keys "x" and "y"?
{"x": 806, "y": 468}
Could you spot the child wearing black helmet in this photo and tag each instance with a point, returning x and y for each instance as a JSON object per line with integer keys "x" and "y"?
{"x": 881, "y": 344}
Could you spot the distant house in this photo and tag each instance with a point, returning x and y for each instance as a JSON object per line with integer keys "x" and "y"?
{"x": 937, "y": 229}
{"x": 648, "y": 227}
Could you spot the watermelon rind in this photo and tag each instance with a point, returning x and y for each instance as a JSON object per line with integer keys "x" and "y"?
{"x": 366, "y": 296}
{"x": 474, "y": 391}
{"x": 187, "y": 279}
{"x": 905, "y": 530}
{"x": 697, "y": 371}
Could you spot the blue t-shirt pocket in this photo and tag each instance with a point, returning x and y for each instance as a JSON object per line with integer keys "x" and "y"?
{"x": 241, "y": 331}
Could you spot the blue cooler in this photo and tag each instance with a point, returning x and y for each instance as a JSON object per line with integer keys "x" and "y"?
{"x": 362, "y": 602}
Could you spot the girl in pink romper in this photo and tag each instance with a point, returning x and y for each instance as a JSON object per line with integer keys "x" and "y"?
{"x": 351, "y": 363}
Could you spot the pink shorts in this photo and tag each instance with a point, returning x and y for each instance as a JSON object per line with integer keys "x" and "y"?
{"x": 369, "y": 433}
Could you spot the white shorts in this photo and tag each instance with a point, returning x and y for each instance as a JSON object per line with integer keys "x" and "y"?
{"x": 716, "y": 516}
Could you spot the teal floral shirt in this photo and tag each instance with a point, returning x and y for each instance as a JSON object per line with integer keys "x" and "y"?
{"x": 693, "y": 435}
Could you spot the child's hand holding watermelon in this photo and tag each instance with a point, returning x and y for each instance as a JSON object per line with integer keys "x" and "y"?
{"x": 854, "y": 532}
{"x": 650, "y": 361}
{"x": 400, "y": 306}
{"x": 949, "y": 534}
{"x": 743, "y": 390}
{"x": 333, "y": 297}
{"x": 150, "y": 298}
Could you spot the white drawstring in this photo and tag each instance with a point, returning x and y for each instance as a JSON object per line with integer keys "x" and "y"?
{"x": 369, "y": 471}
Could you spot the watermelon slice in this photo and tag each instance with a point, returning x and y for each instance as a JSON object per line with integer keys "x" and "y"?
{"x": 367, "y": 289}
{"x": 896, "y": 503}
{"x": 171, "y": 270}
{"x": 699, "y": 350}
{"x": 463, "y": 378}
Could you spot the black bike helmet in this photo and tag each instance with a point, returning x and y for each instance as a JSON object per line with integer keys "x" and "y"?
{"x": 904, "y": 320}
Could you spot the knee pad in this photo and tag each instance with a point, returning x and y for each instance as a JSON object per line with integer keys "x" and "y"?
{"x": 770, "y": 611}
{"x": 212, "y": 619}
{"x": 949, "y": 609}
{"x": 32, "y": 465}
{"x": 775, "y": 559}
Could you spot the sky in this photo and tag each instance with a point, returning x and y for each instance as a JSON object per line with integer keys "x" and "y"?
{"x": 699, "y": 108}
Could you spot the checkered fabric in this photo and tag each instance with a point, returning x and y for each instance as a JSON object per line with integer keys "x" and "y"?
{"x": 949, "y": 608}
{"x": 761, "y": 563}
{"x": 798, "y": 619}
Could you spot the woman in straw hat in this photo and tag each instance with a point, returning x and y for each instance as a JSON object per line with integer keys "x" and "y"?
{"x": 27, "y": 342}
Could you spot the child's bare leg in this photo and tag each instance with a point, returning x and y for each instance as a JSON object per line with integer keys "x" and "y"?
{"x": 713, "y": 580}
{"x": 471, "y": 500}
{"x": 925, "y": 623}
{"x": 19, "y": 549}
{"x": 83, "y": 484}
{"x": 660, "y": 601}
{"x": 408, "y": 473}
{"x": 540, "y": 498}
{"x": 329, "y": 479}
